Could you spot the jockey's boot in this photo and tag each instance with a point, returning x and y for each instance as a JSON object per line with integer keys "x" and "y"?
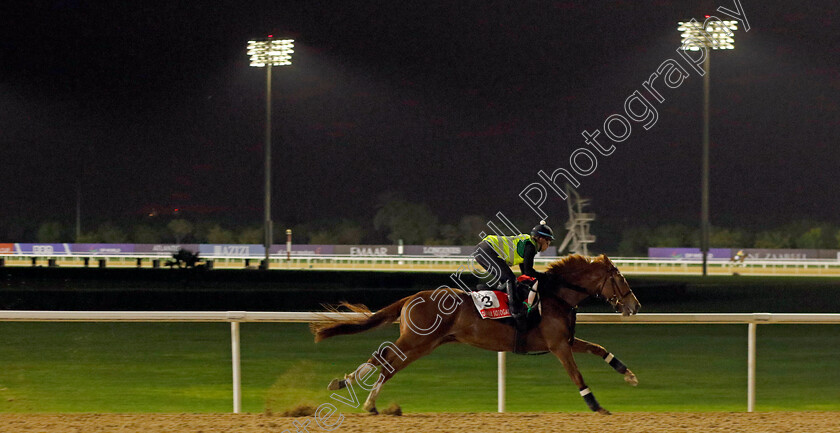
{"x": 521, "y": 332}
{"x": 520, "y": 317}
{"x": 514, "y": 300}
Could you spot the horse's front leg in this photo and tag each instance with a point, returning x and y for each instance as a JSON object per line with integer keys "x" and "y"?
{"x": 583, "y": 346}
{"x": 563, "y": 351}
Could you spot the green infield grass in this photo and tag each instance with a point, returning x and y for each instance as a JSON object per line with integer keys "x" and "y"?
{"x": 185, "y": 367}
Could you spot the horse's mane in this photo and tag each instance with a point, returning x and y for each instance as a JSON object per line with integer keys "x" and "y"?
{"x": 573, "y": 263}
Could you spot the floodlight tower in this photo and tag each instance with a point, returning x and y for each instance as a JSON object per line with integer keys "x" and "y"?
{"x": 267, "y": 53}
{"x": 577, "y": 237}
{"x": 717, "y": 35}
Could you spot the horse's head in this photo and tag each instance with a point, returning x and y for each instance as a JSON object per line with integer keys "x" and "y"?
{"x": 615, "y": 289}
{"x": 596, "y": 277}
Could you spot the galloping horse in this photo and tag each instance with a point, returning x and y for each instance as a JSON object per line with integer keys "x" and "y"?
{"x": 434, "y": 317}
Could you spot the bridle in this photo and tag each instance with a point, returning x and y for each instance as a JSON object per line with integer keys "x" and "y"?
{"x": 617, "y": 296}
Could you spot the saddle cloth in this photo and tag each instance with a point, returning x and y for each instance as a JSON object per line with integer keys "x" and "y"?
{"x": 491, "y": 304}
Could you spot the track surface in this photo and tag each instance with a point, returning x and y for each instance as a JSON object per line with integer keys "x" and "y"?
{"x": 776, "y": 422}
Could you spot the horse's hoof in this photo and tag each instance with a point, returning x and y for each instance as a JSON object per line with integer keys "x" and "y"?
{"x": 370, "y": 407}
{"x": 336, "y": 384}
{"x": 603, "y": 411}
{"x": 631, "y": 378}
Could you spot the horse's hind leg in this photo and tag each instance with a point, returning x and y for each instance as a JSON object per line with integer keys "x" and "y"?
{"x": 583, "y": 346}
{"x": 391, "y": 357}
{"x": 359, "y": 374}
{"x": 350, "y": 378}
{"x": 362, "y": 372}
{"x": 392, "y": 361}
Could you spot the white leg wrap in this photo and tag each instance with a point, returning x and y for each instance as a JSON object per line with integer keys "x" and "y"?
{"x": 359, "y": 371}
{"x": 609, "y": 358}
{"x": 370, "y": 401}
{"x": 584, "y": 392}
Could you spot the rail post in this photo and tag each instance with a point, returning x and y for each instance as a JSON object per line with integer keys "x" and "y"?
{"x": 751, "y": 327}
{"x": 501, "y": 379}
{"x": 237, "y": 372}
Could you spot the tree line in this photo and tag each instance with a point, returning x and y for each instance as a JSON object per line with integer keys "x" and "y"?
{"x": 413, "y": 223}
{"x": 800, "y": 235}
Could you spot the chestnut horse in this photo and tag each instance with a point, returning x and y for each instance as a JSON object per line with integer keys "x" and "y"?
{"x": 434, "y": 317}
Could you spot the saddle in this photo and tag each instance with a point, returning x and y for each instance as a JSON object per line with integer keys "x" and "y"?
{"x": 493, "y": 304}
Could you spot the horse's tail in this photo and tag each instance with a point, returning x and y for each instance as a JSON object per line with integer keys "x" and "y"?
{"x": 333, "y": 327}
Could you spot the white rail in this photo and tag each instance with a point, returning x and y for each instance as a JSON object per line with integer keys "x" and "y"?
{"x": 237, "y": 317}
{"x": 628, "y": 265}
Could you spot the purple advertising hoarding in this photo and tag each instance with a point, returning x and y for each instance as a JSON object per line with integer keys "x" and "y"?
{"x": 789, "y": 254}
{"x": 104, "y": 249}
{"x": 164, "y": 248}
{"x": 780, "y": 254}
{"x": 366, "y": 250}
{"x": 43, "y": 249}
{"x": 303, "y": 250}
{"x": 456, "y": 251}
{"x": 751, "y": 253}
{"x": 231, "y": 250}
{"x": 437, "y": 250}
{"x": 689, "y": 253}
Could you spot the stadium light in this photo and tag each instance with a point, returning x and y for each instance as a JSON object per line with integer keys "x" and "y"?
{"x": 266, "y": 53}
{"x": 271, "y": 52}
{"x": 717, "y": 35}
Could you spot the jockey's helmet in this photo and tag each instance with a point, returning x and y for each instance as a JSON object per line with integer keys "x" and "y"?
{"x": 542, "y": 229}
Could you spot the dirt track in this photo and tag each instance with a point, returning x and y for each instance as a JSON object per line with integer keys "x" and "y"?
{"x": 776, "y": 422}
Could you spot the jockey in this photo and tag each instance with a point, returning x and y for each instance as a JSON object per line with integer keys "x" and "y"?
{"x": 499, "y": 253}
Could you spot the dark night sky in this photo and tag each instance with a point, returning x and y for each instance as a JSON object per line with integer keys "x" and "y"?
{"x": 454, "y": 103}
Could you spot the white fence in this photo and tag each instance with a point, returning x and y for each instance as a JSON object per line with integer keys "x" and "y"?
{"x": 752, "y": 320}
